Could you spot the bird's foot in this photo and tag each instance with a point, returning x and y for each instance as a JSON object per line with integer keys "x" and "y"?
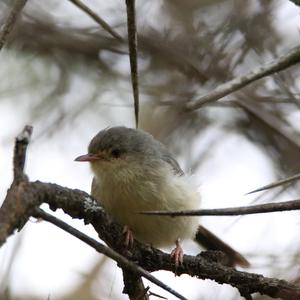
{"x": 177, "y": 253}
{"x": 128, "y": 236}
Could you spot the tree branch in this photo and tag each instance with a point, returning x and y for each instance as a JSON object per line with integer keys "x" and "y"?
{"x": 11, "y": 20}
{"x": 121, "y": 260}
{"x": 97, "y": 19}
{"x": 151, "y": 259}
{"x": 21, "y": 143}
{"x": 24, "y": 198}
{"x": 232, "y": 211}
{"x": 133, "y": 286}
{"x": 132, "y": 44}
{"x": 279, "y": 64}
{"x": 288, "y": 180}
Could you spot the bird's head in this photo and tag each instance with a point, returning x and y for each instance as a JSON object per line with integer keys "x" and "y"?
{"x": 118, "y": 147}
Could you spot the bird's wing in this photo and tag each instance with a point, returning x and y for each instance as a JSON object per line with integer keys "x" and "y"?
{"x": 167, "y": 157}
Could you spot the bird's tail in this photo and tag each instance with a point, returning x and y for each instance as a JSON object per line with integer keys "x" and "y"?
{"x": 211, "y": 242}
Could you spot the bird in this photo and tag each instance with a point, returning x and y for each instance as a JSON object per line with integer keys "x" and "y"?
{"x": 134, "y": 173}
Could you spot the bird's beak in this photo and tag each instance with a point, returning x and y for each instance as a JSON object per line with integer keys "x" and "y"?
{"x": 88, "y": 157}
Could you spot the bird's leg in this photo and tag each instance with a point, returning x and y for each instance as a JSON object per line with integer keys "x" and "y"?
{"x": 128, "y": 236}
{"x": 177, "y": 253}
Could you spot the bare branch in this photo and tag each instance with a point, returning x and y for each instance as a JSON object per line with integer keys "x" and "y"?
{"x": 21, "y": 144}
{"x": 121, "y": 260}
{"x": 78, "y": 204}
{"x": 11, "y": 20}
{"x": 97, "y": 19}
{"x": 232, "y": 211}
{"x": 132, "y": 44}
{"x": 288, "y": 180}
{"x": 133, "y": 286}
{"x": 279, "y": 64}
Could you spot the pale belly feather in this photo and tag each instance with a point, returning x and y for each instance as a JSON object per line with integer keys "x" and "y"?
{"x": 125, "y": 198}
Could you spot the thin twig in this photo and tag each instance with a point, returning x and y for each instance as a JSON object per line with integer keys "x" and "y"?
{"x": 258, "y": 200}
{"x": 11, "y": 20}
{"x": 97, "y": 19}
{"x": 132, "y": 44}
{"x": 232, "y": 211}
{"x": 279, "y": 64}
{"x": 288, "y": 180}
{"x": 121, "y": 260}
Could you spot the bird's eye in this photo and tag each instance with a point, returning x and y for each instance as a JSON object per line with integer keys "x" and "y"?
{"x": 116, "y": 153}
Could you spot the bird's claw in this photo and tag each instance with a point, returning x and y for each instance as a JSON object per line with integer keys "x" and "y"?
{"x": 128, "y": 236}
{"x": 177, "y": 254}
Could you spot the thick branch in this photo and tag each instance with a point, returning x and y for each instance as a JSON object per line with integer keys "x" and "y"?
{"x": 13, "y": 204}
{"x": 134, "y": 286}
{"x": 279, "y": 64}
{"x": 80, "y": 205}
{"x": 233, "y": 211}
{"x": 11, "y": 20}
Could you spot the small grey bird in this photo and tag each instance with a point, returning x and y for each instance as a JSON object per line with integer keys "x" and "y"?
{"x": 133, "y": 172}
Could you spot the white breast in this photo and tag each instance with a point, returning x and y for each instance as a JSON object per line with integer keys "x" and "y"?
{"x": 126, "y": 192}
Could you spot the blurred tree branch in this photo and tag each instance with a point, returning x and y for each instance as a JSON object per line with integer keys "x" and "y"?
{"x": 24, "y": 197}
{"x": 97, "y": 19}
{"x": 297, "y": 2}
{"x": 285, "y": 61}
{"x": 11, "y": 20}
